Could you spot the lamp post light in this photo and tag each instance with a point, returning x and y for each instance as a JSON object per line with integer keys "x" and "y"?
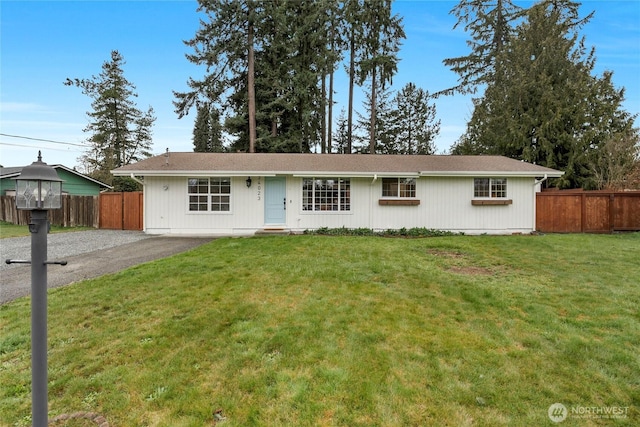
{"x": 38, "y": 189}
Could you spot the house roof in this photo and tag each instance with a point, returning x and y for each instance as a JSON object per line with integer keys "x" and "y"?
{"x": 353, "y": 165}
{"x": 13, "y": 172}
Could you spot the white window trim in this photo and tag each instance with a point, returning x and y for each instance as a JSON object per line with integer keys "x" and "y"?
{"x": 399, "y": 197}
{"x": 209, "y": 211}
{"x": 490, "y": 196}
{"x": 327, "y": 212}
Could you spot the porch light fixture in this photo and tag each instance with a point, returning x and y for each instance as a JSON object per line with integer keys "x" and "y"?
{"x": 38, "y": 189}
{"x": 248, "y": 182}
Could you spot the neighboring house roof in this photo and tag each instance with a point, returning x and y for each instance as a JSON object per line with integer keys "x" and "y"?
{"x": 14, "y": 172}
{"x": 353, "y": 165}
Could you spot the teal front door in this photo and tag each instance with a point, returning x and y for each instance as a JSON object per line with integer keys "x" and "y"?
{"x": 275, "y": 200}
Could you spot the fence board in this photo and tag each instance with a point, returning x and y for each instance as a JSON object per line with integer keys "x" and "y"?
{"x": 627, "y": 211}
{"x": 587, "y": 211}
{"x": 76, "y": 211}
{"x": 132, "y": 213}
{"x": 111, "y": 211}
{"x": 596, "y": 219}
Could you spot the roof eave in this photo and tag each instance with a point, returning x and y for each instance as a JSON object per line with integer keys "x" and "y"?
{"x": 515, "y": 174}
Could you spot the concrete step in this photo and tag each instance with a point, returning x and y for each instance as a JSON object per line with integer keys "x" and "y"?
{"x": 273, "y": 231}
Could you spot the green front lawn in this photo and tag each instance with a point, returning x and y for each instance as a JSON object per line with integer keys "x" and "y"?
{"x": 8, "y": 229}
{"x": 344, "y": 331}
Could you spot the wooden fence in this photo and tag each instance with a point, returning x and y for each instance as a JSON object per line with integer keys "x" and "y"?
{"x": 118, "y": 211}
{"x": 573, "y": 211}
{"x": 121, "y": 211}
{"x": 76, "y": 211}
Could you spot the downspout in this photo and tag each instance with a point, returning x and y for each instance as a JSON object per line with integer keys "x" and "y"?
{"x": 371, "y": 206}
{"x": 536, "y": 182}
{"x": 132, "y": 176}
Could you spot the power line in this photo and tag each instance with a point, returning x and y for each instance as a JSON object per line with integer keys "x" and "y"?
{"x": 43, "y": 140}
{"x": 30, "y": 146}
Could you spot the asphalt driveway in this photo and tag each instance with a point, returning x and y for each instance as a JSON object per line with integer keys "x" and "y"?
{"x": 89, "y": 254}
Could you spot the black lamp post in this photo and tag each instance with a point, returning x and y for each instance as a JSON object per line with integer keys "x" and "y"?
{"x": 38, "y": 189}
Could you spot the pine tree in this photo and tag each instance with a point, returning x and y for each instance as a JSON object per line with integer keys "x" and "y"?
{"x": 382, "y": 35}
{"x": 207, "y": 131}
{"x": 283, "y": 94}
{"x": 341, "y": 135}
{"x": 225, "y": 43}
{"x": 547, "y": 107}
{"x": 352, "y": 20}
{"x": 414, "y": 121}
{"x": 386, "y": 140}
{"x": 120, "y": 132}
{"x": 490, "y": 26}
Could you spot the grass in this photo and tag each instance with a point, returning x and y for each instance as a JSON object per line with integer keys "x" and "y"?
{"x": 344, "y": 331}
{"x": 12, "y": 230}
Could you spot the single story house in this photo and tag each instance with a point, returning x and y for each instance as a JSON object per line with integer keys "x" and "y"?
{"x": 73, "y": 183}
{"x": 243, "y": 193}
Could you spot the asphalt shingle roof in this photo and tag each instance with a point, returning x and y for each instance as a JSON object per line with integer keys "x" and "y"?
{"x": 345, "y": 164}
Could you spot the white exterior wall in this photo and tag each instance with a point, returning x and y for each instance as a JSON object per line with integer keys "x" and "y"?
{"x": 166, "y": 208}
{"x": 445, "y": 204}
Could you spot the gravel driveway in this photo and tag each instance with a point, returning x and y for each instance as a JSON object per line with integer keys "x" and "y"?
{"x": 89, "y": 254}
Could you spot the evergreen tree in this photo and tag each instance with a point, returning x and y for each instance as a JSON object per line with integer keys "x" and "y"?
{"x": 414, "y": 121}
{"x": 490, "y": 26}
{"x": 337, "y": 44}
{"x": 386, "y": 140}
{"x": 382, "y": 35}
{"x": 352, "y": 10}
{"x": 283, "y": 94}
{"x": 547, "y": 108}
{"x": 225, "y": 43}
{"x": 120, "y": 132}
{"x": 341, "y": 135}
{"x": 207, "y": 131}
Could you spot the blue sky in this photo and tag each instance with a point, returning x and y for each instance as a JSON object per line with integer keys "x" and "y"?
{"x": 44, "y": 42}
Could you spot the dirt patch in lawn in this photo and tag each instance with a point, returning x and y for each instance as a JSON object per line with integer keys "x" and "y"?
{"x": 470, "y": 270}
{"x": 445, "y": 254}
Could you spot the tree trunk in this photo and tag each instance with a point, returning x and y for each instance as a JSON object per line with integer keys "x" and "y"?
{"x": 251, "y": 89}
{"x": 330, "y": 113}
{"x": 372, "y": 133}
{"x": 352, "y": 71}
{"x": 323, "y": 118}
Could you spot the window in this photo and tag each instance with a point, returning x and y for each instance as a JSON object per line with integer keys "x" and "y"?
{"x": 398, "y": 187}
{"x": 209, "y": 194}
{"x": 326, "y": 194}
{"x": 494, "y": 188}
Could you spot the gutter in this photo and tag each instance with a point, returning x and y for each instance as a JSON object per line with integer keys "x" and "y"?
{"x": 536, "y": 182}
{"x": 540, "y": 181}
{"x": 133, "y": 177}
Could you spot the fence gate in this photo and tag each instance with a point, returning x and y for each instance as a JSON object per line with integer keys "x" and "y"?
{"x": 587, "y": 211}
{"x": 121, "y": 211}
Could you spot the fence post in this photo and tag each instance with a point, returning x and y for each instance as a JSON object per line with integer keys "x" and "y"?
{"x": 583, "y": 212}
{"x": 612, "y": 212}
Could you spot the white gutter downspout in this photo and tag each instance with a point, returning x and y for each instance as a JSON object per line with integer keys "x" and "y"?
{"x": 536, "y": 182}
{"x": 371, "y": 207}
{"x": 132, "y": 176}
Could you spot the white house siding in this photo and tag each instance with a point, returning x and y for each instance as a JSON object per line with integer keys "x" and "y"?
{"x": 448, "y": 206}
{"x": 167, "y": 210}
{"x": 445, "y": 204}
